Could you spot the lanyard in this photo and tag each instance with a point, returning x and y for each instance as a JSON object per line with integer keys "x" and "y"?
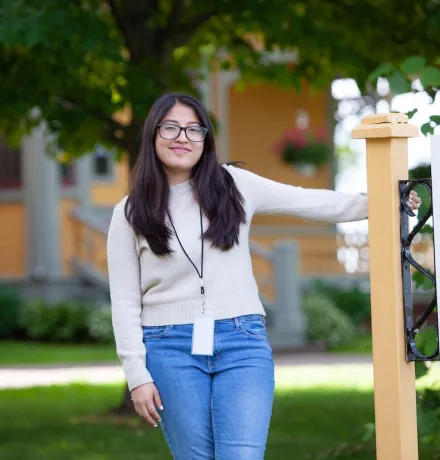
{"x": 200, "y": 274}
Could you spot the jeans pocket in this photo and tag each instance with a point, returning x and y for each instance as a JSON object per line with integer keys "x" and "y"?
{"x": 154, "y": 332}
{"x": 253, "y": 326}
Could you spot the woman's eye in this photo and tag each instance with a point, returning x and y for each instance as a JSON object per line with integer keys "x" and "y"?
{"x": 194, "y": 130}
{"x": 170, "y": 128}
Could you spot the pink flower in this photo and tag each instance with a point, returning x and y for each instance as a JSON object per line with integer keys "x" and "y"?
{"x": 294, "y": 133}
{"x": 300, "y": 142}
{"x": 296, "y": 137}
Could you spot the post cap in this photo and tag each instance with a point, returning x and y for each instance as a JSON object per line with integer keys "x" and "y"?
{"x": 385, "y": 125}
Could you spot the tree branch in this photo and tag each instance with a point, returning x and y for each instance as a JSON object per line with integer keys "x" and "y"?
{"x": 75, "y": 104}
{"x": 132, "y": 18}
{"x": 239, "y": 41}
{"x": 186, "y": 30}
{"x": 122, "y": 25}
{"x": 175, "y": 14}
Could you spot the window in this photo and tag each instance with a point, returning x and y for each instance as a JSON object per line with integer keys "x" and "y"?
{"x": 67, "y": 173}
{"x": 10, "y": 167}
{"x": 103, "y": 164}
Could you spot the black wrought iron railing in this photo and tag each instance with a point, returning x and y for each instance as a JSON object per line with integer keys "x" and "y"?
{"x": 414, "y": 325}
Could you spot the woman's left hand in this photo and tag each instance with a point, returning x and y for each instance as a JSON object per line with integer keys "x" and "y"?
{"x": 414, "y": 200}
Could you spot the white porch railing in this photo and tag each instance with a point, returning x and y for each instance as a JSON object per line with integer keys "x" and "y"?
{"x": 279, "y": 270}
{"x": 285, "y": 321}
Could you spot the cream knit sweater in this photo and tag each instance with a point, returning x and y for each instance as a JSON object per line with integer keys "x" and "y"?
{"x": 150, "y": 290}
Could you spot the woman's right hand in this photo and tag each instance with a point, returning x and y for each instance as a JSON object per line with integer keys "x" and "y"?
{"x": 144, "y": 398}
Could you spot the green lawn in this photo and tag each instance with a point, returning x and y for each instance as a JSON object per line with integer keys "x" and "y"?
{"x": 361, "y": 344}
{"x": 24, "y": 353}
{"x": 28, "y": 353}
{"x": 313, "y": 411}
{"x": 71, "y": 423}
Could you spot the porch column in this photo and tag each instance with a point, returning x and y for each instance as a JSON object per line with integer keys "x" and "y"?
{"x": 84, "y": 179}
{"x": 41, "y": 199}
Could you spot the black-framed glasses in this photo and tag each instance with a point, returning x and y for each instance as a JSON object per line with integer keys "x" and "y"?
{"x": 170, "y": 132}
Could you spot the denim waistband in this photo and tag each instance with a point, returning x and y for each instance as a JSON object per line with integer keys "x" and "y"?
{"x": 238, "y": 319}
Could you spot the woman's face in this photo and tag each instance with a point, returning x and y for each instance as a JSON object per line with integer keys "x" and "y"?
{"x": 179, "y": 155}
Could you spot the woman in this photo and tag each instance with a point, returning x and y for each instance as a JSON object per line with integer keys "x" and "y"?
{"x": 188, "y": 323}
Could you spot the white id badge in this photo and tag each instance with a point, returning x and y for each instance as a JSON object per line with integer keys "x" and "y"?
{"x": 203, "y": 336}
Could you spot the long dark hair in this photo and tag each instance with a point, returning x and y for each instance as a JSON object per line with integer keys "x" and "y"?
{"x": 214, "y": 187}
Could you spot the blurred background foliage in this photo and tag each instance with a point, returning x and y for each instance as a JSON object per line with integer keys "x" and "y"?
{"x": 84, "y": 61}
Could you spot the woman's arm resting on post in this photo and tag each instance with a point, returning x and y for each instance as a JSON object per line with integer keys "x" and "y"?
{"x": 268, "y": 196}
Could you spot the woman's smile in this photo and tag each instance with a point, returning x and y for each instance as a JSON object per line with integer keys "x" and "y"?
{"x": 180, "y": 150}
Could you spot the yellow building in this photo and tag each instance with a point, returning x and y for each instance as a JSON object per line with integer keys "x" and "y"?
{"x": 54, "y": 221}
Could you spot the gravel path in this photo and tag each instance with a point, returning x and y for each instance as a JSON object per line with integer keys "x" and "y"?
{"x": 99, "y": 373}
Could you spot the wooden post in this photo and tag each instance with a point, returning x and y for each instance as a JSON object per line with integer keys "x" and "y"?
{"x": 394, "y": 378}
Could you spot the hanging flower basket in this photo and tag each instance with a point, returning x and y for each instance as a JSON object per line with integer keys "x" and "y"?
{"x": 305, "y": 150}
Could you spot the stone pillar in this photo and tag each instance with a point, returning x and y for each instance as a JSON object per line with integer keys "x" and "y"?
{"x": 41, "y": 199}
{"x": 394, "y": 378}
{"x": 84, "y": 178}
{"x": 289, "y": 328}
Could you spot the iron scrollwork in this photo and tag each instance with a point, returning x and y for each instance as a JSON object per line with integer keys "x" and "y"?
{"x": 412, "y": 326}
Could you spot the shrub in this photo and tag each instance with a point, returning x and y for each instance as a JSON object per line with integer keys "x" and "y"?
{"x": 65, "y": 321}
{"x": 100, "y": 324}
{"x": 326, "y": 324}
{"x": 353, "y": 302}
{"x": 10, "y": 308}
{"x": 428, "y": 418}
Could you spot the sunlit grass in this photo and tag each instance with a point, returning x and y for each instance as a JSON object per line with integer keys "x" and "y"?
{"x": 355, "y": 376}
{"x": 36, "y": 353}
{"x": 72, "y": 422}
{"x": 316, "y": 408}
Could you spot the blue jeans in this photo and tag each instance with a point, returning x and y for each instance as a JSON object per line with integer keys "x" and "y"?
{"x": 215, "y": 407}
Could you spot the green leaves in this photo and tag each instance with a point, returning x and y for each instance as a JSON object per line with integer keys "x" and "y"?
{"x": 78, "y": 52}
{"x": 421, "y": 369}
{"x": 426, "y": 129}
{"x": 430, "y": 76}
{"x": 411, "y": 113}
{"x": 429, "y": 126}
{"x": 411, "y": 68}
{"x": 421, "y": 171}
{"x": 383, "y": 70}
{"x": 422, "y": 281}
{"x": 57, "y": 26}
{"x": 427, "y": 342}
{"x": 413, "y": 65}
{"x": 399, "y": 83}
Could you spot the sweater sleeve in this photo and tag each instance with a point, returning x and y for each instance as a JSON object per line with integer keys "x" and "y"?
{"x": 126, "y": 299}
{"x": 268, "y": 196}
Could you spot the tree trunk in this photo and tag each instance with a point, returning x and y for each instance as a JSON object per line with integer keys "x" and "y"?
{"x": 132, "y": 141}
{"x": 126, "y": 406}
